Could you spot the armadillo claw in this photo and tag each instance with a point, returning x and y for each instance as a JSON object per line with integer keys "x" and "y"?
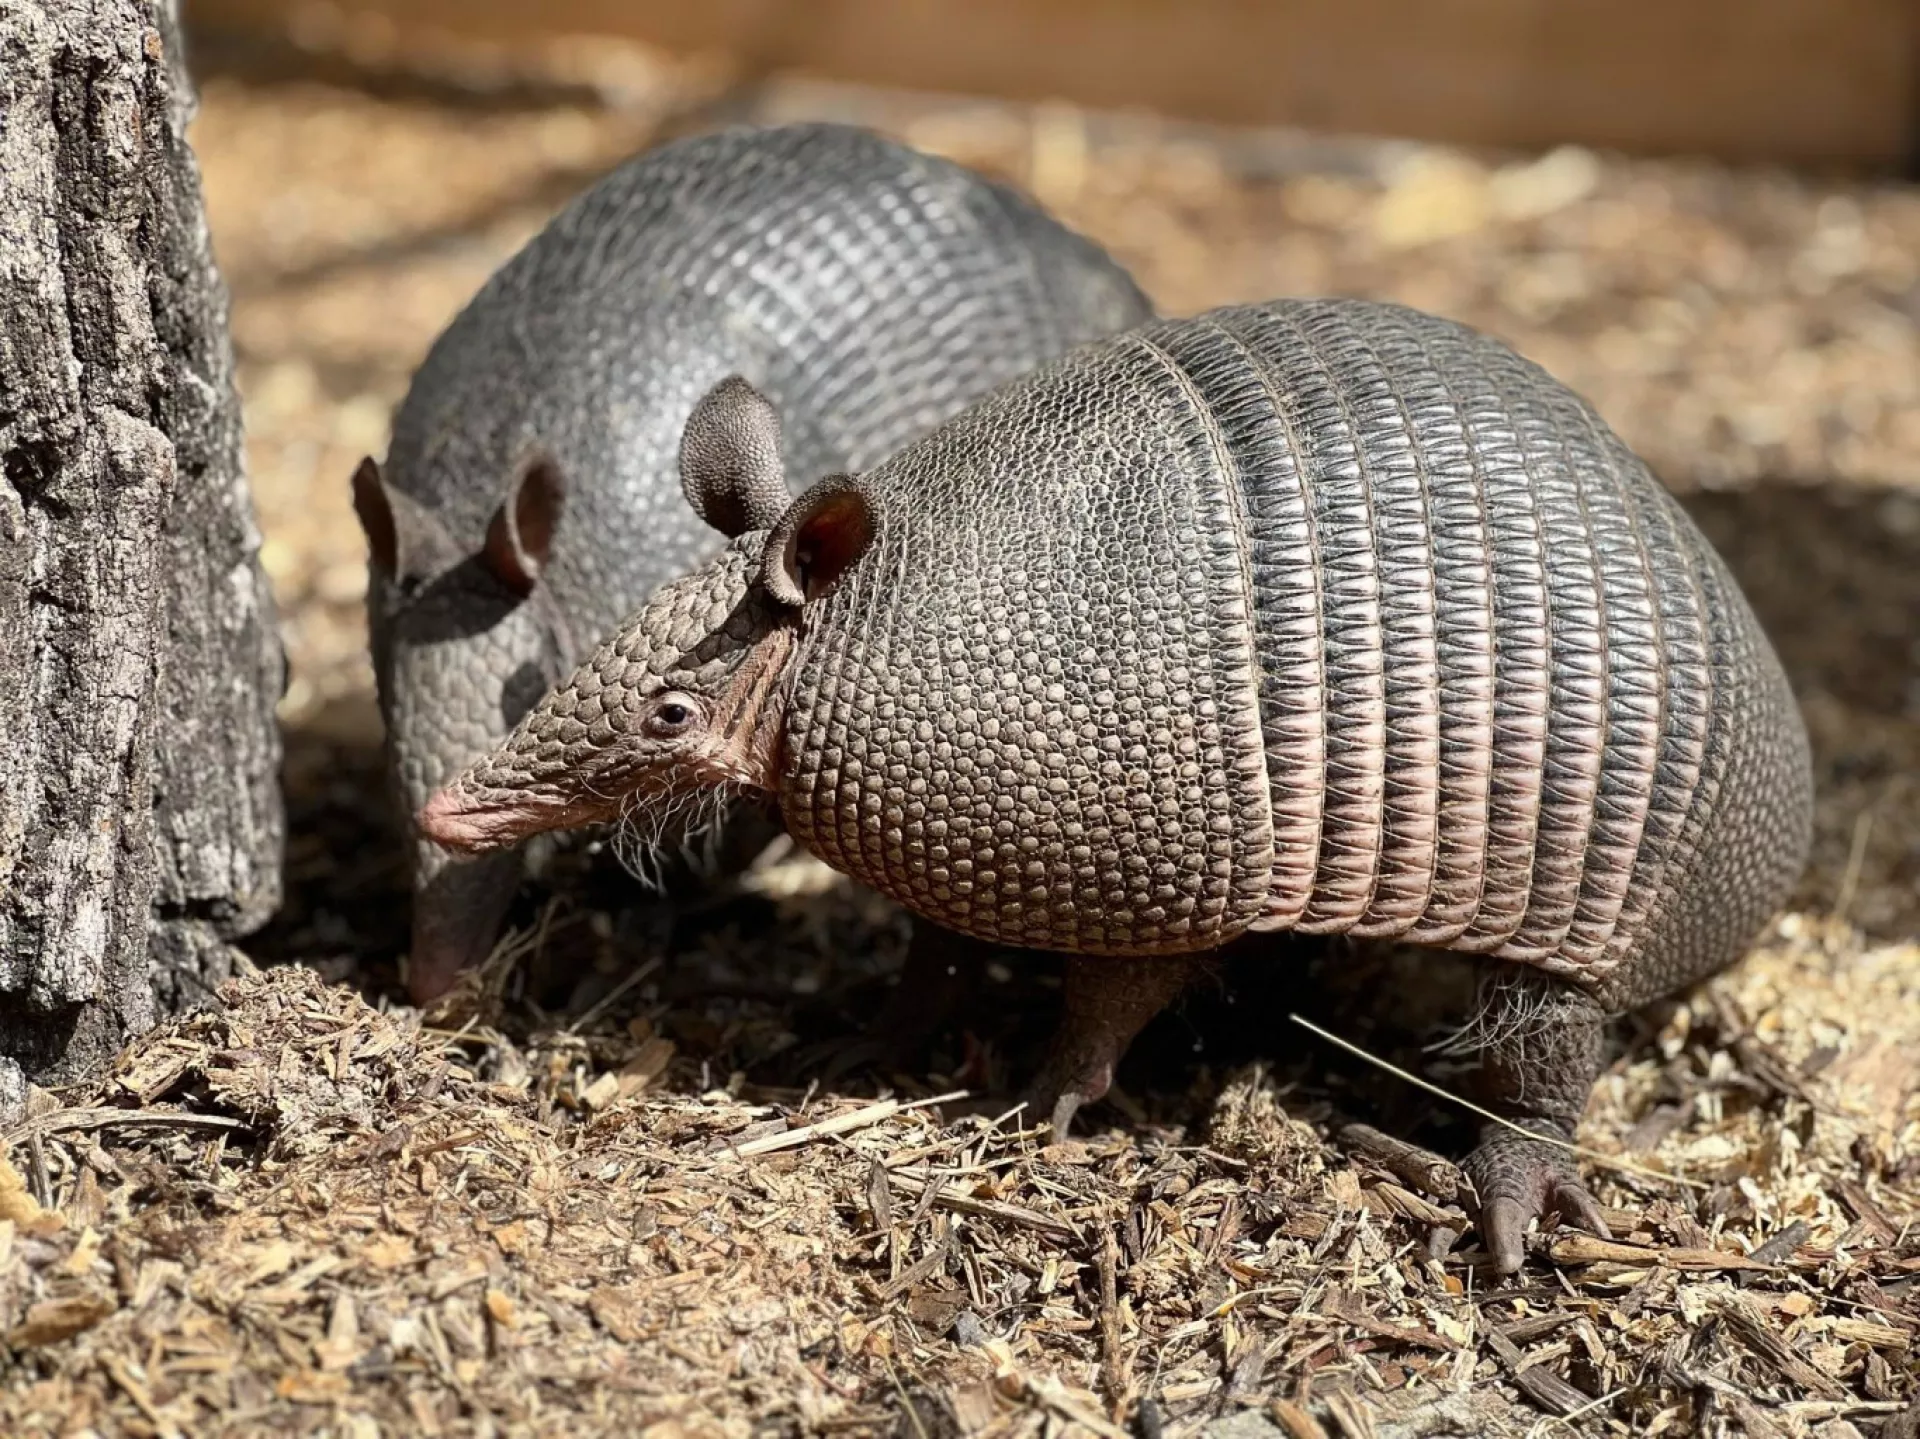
{"x": 1063, "y": 1086}
{"x": 1064, "y": 1108}
{"x": 1057, "y": 1106}
{"x": 1521, "y": 1180}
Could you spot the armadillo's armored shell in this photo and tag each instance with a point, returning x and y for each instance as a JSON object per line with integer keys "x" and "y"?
{"x": 869, "y": 290}
{"x": 1031, "y": 713}
{"x": 1326, "y": 615}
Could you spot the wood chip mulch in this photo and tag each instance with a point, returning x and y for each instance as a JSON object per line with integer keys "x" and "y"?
{"x": 294, "y": 1213}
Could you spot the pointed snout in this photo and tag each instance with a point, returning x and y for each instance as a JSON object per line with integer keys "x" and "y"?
{"x": 458, "y": 906}
{"x": 455, "y": 820}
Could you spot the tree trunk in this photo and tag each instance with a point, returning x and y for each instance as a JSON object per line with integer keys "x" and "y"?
{"x": 140, "y": 816}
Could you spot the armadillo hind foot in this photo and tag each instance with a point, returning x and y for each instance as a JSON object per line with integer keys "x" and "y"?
{"x": 1540, "y": 1043}
{"x": 1518, "y": 1180}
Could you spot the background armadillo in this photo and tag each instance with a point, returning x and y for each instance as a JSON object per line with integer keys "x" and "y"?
{"x": 529, "y": 503}
{"x": 1327, "y": 616}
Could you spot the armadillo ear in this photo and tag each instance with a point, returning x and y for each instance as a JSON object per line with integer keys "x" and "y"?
{"x": 404, "y": 540}
{"x": 520, "y": 536}
{"x": 376, "y": 516}
{"x": 822, "y": 535}
{"x": 730, "y": 466}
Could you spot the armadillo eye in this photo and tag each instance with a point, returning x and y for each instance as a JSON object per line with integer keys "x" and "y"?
{"x": 672, "y": 714}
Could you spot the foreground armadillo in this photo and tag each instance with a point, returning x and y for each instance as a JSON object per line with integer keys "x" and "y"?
{"x": 529, "y": 501}
{"x": 1323, "y": 616}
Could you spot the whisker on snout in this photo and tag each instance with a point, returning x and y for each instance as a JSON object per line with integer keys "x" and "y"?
{"x": 687, "y": 825}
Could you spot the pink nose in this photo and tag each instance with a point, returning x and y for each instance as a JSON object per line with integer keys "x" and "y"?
{"x": 433, "y": 968}
{"x": 446, "y": 820}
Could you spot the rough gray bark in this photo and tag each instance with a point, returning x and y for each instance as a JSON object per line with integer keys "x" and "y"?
{"x": 140, "y": 818}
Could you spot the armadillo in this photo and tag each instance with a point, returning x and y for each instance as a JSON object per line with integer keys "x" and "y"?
{"x": 528, "y": 503}
{"x": 1322, "y": 616}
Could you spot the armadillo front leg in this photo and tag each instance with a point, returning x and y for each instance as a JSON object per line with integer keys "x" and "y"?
{"x": 941, "y": 969}
{"x": 1108, "y": 1002}
{"x": 1541, "y": 1051}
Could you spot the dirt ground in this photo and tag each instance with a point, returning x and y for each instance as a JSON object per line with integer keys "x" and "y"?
{"x": 607, "y": 1193}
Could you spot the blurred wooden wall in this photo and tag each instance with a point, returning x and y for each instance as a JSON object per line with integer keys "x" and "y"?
{"x": 1788, "y": 80}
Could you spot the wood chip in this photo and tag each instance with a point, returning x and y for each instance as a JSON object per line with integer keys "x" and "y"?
{"x": 64, "y": 1121}
{"x": 1590, "y": 1249}
{"x": 19, "y": 1208}
{"x": 929, "y": 1263}
{"x": 1421, "y": 1168}
{"x": 1854, "y": 1195}
{"x": 1542, "y": 1386}
{"x": 1298, "y": 1423}
{"x": 956, "y": 1198}
{"x": 1348, "y": 1308}
{"x": 1412, "y": 1206}
{"x": 52, "y": 1320}
{"x": 1751, "y": 1328}
{"x": 1777, "y": 1250}
{"x": 1115, "y": 1370}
